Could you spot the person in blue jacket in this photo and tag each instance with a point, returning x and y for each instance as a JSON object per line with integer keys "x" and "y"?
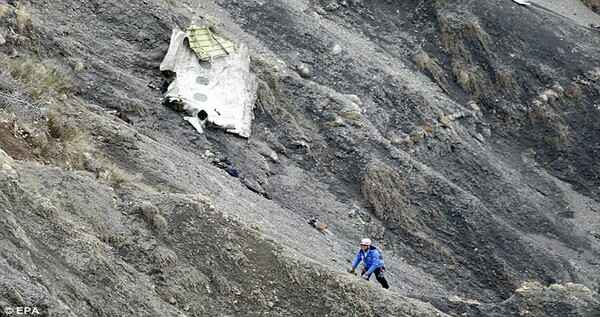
{"x": 372, "y": 262}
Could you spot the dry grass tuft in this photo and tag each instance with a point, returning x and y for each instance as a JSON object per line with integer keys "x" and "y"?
{"x": 61, "y": 128}
{"x": 473, "y": 80}
{"x": 135, "y": 106}
{"x": 66, "y": 151}
{"x": 149, "y": 210}
{"x": 546, "y": 115}
{"x": 458, "y": 31}
{"x": 54, "y": 133}
{"x": 22, "y": 19}
{"x": 152, "y": 214}
{"x": 79, "y": 66}
{"x": 55, "y": 138}
{"x": 48, "y": 119}
{"x": 258, "y": 229}
{"x": 431, "y": 65}
{"x": 118, "y": 177}
{"x": 269, "y": 105}
{"x": 3, "y": 10}
{"x": 506, "y": 80}
{"x": 462, "y": 78}
{"x": 17, "y": 18}
{"x": 64, "y": 144}
{"x": 265, "y": 98}
{"x": 557, "y": 131}
{"x": 384, "y": 188}
{"x": 545, "y": 73}
{"x": 159, "y": 222}
{"x": 114, "y": 175}
{"x": 112, "y": 239}
{"x": 528, "y": 287}
{"x": 421, "y": 58}
{"x": 43, "y": 77}
{"x": 436, "y": 247}
{"x": 577, "y": 288}
{"x": 428, "y": 128}
{"x": 574, "y": 92}
{"x": 417, "y": 136}
{"x": 594, "y": 5}
{"x": 558, "y": 140}
{"x": 47, "y": 210}
{"x": 164, "y": 258}
{"x": 350, "y": 115}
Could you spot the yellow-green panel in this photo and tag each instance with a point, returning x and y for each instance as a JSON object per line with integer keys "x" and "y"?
{"x": 207, "y": 44}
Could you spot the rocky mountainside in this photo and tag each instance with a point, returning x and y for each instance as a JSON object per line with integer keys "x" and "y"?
{"x": 465, "y": 134}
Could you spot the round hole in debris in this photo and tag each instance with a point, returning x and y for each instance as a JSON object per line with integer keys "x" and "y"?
{"x": 202, "y": 115}
{"x": 200, "y": 97}
{"x": 205, "y": 65}
{"x": 202, "y": 80}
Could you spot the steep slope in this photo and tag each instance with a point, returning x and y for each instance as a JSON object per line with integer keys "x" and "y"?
{"x": 466, "y": 132}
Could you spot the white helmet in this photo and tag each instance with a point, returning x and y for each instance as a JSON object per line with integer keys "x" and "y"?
{"x": 365, "y": 241}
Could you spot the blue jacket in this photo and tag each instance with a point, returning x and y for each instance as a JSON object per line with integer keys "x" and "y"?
{"x": 371, "y": 260}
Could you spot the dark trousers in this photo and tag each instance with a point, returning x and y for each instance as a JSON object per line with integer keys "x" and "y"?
{"x": 379, "y": 275}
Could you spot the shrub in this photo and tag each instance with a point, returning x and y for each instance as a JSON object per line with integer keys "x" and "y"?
{"x": 557, "y": 132}
{"x": 23, "y": 22}
{"x": 43, "y": 77}
{"x": 114, "y": 175}
{"x": 265, "y": 98}
{"x": 149, "y": 210}
{"x": 159, "y": 222}
{"x": 458, "y": 31}
{"x": 152, "y": 213}
{"x": 473, "y": 80}
{"x": 135, "y": 106}
{"x": 574, "y": 92}
{"x": 384, "y": 188}
{"x": 431, "y": 65}
{"x": 3, "y": 10}
{"x": 61, "y": 128}
{"x": 113, "y": 239}
{"x": 164, "y": 257}
{"x": 506, "y": 80}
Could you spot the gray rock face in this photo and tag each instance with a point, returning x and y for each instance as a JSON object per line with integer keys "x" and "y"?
{"x": 464, "y": 136}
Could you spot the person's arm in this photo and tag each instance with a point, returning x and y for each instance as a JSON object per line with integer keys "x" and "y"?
{"x": 376, "y": 262}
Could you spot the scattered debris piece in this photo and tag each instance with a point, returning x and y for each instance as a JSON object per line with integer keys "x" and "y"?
{"x": 317, "y": 224}
{"x": 522, "y": 2}
{"x": 255, "y": 187}
{"x": 226, "y": 165}
{"x": 357, "y": 213}
{"x": 212, "y": 83}
{"x": 122, "y": 114}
